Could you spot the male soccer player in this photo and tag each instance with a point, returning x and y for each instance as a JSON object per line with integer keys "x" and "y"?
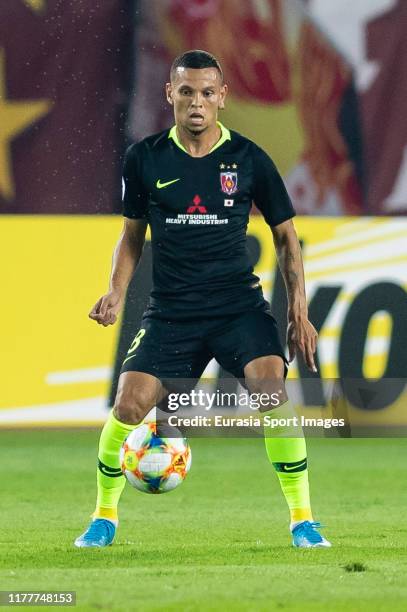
{"x": 194, "y": 185}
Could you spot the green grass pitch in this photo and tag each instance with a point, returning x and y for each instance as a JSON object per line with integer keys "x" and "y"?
{"x": 219, "y": 542}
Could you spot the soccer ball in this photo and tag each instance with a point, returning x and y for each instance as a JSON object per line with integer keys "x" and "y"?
{"x": 155, "y": 458}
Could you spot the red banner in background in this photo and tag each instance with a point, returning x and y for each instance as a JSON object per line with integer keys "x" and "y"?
{"x": 324, "y": 80}
{"x": 63, "y": 91}
{"x": 261, "y": 70}
{"x": 290, "y": 90}
{"x": 384, "y": 112}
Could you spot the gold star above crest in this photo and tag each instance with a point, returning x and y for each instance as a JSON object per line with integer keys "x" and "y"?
{"x": 15, "y": 117}
{"x": 38, "y": 6}
{"x": 222, "y": 166}
{"x": 234, "y": 166}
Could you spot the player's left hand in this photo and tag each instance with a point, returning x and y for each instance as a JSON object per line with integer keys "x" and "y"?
{"x": 302, "y": 337}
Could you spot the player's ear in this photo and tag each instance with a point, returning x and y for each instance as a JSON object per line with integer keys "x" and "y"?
{"x": 223, "y": 94}
{"x": 168, "y": 93}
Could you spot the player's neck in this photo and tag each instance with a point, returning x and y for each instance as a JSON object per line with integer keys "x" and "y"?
{"x": 199, "y": 145}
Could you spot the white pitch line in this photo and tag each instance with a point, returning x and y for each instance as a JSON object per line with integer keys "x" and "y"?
{"x": 84, "y": 375}
{"x": 93, "y": 409}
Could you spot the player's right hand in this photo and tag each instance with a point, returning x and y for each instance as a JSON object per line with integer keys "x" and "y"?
{"x": 107, "y": 308}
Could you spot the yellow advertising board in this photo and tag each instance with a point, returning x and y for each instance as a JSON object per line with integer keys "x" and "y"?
{"x": 57, "y": 364}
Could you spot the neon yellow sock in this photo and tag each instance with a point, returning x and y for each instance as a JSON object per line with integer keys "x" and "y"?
{"x": 110, "y": 480}
{"x": 286, "y": 450}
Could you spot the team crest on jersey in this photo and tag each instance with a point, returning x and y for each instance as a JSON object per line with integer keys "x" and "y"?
{"x": 228, "y": 181}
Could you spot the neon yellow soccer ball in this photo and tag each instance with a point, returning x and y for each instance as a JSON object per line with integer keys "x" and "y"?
{"x": 155, "y": 459}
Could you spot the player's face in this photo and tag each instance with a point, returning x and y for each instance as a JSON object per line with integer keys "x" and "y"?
{"x": 196, "y": 95}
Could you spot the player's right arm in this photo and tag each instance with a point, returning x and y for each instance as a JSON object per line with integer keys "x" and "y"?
{"x": 130, "y": 244}
{"x": 126, "y": 256}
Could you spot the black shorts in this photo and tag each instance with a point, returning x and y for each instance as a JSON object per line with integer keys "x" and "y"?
{"x": 178, "y": 350}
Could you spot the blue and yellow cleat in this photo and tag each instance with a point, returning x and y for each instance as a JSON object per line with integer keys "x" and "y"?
{"x": 100, "y": 533}
{"x": 306, "y": 535}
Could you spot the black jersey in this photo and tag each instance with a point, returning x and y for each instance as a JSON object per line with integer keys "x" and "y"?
{"x": 198, "y": 210}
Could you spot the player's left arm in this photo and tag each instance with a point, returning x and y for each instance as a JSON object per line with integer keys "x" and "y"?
{"x": 301, "y": 334}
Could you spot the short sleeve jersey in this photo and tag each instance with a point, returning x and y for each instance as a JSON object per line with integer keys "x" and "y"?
{"x": 198, "y": 211}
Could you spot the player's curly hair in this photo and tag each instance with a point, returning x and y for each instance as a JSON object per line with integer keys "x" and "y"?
{"x": 196, "y": 58}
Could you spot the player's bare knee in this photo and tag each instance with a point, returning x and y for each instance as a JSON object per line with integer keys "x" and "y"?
{"x": 270, "y": 367}
{"x": 132, "y": 405}
{"x": 136, "y": 396}
{"x": 264, "y": 378}
{"x": 131, "y": 411}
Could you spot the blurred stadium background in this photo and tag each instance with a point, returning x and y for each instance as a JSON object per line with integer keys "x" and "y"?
{"x": 320, "y": 84}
